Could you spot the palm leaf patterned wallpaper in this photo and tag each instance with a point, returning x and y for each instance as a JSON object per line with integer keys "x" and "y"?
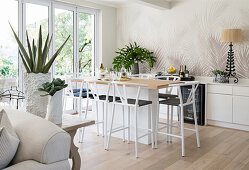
{"x": 188, "y": 33}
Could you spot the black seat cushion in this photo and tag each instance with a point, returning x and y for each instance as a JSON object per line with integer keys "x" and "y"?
{"x": 171, "y": 101}
{"x": 166, "y": 96}
{"x": 140, "y": 102}
{"x": 103, "y": 97}
{"x": 83, "y": 95}
{"x": 130, "y": 101}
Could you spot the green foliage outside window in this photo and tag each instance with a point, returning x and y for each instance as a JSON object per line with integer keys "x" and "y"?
{"x": 7, "y": 67}
{"x": 64, "y": 63}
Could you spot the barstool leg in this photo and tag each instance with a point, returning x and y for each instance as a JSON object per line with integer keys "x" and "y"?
{"x": 123, "y": 123}
{"x": 79, "y": 111}
{"x": 106, "y": 124}
{"x": 129, "y": 129}
{"x": 171, "y": 123}
{"x": 157, "y": 120}
{"x": 152, "y": 128}
{"x": 83, "y": 129}
{"x": 167, "y": 136}
{"x": 136, "y": 135}
{"x": 196, "y": 126}
{"x": 103, "y": 119}
{"x": 97, "y": 117}
{"x": 110, "y": 131}
{"x": 182, "y": 131}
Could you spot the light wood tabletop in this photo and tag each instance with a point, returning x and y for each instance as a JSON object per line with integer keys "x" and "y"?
{"x": 151, "y": 83}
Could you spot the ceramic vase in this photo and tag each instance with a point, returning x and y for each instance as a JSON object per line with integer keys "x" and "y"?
{"x": 55, "y": 108}
{"x": 35, "y": 103}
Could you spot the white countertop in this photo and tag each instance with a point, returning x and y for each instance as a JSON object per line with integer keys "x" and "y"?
{"x": 209, "y": 80}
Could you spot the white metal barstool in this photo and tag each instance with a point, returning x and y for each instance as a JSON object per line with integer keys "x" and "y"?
{"x": 180, "y": 102}
{"x": 77, "y": 91}
{"x": 120, "y": 98}
{"x": 100, "y": 95}
{"x": 166, "y": 95}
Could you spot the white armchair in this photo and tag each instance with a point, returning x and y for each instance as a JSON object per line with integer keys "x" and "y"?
{"x": 43, "y": 145}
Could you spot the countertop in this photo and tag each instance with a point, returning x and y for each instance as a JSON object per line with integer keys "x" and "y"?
{"x": 209, "y": 80}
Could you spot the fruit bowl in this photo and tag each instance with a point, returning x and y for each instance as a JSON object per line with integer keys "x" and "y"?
{"x": 172, "y": 70}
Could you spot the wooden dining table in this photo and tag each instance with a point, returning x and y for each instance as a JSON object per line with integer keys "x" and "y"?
{"x": 149, "y": 92}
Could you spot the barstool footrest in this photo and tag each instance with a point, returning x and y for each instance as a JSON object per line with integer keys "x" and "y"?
{"x": 190, "y": 129}
{"x": 147, "y": 134}
{"x": 118, "y": 129}
{"x": 168, "y": 134}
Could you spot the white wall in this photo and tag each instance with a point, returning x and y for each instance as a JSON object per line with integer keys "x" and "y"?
{"x": 106, "y": 30}
{"x": 188, "y": 33}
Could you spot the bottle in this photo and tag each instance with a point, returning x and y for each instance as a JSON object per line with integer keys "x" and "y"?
{"x": 186, "y": 72}
{"x": 123, "y": 73}
{"x": 102, "y": 68}
{"x": 181, "y": 74}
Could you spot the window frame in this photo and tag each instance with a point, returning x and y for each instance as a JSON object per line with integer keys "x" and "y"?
{"x": 51, "y": 29}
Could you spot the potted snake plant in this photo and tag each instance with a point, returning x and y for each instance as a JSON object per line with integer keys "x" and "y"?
{"x": 54, "y": 90}
{"x": 37, "y": 64}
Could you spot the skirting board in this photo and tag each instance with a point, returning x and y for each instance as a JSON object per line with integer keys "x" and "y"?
{"x": 228, "y": 125}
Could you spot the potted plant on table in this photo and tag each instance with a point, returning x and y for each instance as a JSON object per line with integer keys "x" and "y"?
{"x": 54, "y": 89}
{"x": 220, "y": 76}
{"x": 131, "y": 55}
{"x": 37, "y": 65}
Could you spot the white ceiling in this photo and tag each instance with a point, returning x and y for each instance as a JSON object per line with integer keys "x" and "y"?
{"x": 161, "y": 4}
{"x": 114, "y": 3}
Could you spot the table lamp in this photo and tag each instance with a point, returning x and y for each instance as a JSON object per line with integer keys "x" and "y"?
{"x": 231, "y": 36}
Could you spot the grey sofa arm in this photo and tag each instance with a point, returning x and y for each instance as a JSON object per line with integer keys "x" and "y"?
{"x": 40, "y": 140}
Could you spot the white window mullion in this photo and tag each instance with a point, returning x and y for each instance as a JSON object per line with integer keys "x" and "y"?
{"x": 76, "y": 43}
{"x": 95, "y": 44}
{"x": 52, "y": 33}
{"x": 21, "y": 35}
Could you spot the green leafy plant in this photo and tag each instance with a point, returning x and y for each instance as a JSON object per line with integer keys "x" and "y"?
{"x": 52, "y": 87}
{"x": 35, "y": 60}
{"x": 131, "y": 54}
{"x": 218, "y": 72}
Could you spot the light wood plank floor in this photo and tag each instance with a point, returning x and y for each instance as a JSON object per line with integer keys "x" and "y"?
{"x": 220, "y": 149}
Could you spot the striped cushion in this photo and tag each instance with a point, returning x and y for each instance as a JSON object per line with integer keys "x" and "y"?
{"x": 8, "y": 140}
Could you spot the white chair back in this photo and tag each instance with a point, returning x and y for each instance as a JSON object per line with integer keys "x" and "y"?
{"x": 120, "y": 92}
{"x": 74, "y": 83}
{"x": 191, "y": 96}
{"x": 142, "y": 76}
{"x": 96, "y": 90}
{"x": 168, "y": 78}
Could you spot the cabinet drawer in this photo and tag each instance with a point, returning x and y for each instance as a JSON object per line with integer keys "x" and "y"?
{"x": 221, "y": 89}
{"x": 241, "y": 110}
{"x": 219, "y": 107}
{"x": 241, "y": 91}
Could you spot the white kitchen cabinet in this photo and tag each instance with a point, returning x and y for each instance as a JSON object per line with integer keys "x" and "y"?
{"x": 241, "y": 110}
{"x": 220, "y": 107}
{"x": 220, "y": 89}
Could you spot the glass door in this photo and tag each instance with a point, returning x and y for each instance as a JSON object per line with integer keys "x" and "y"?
{"x": 36, "y": 16}
{"x": 8, "y": 46}
{"x": 63, "y": 27}
{"x": 86, "y": 43}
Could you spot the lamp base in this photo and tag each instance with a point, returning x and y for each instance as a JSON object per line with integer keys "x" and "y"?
{"x": 233, "y": 75}
{"x": 230, "y": 67}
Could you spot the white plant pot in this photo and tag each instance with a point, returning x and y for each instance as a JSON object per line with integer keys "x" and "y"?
{"x": 35, "y": 103}
{"x": 55, "y": 108}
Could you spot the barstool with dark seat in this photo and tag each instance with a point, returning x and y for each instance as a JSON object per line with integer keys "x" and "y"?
{"x": 168, "y": 95}
{"x": 120, "y": 98}
{"x": 179, "y": 102}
